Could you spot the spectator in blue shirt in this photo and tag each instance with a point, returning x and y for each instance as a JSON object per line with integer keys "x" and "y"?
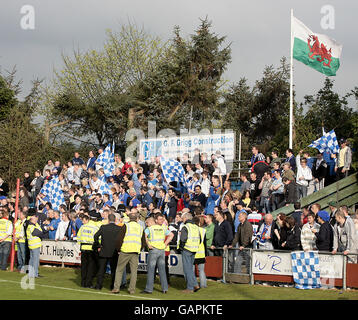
{"x": 213, "y": 197}
{"x": 151, "y": 179}
{"x": 145, "y": 197}
{"x": 91, "y": 163}
{"x": 291, "y": 159}
{"x": 77, "y": 159}
{"x": 240, "y": 208}
{"x": 54, "y": 225}
{"x": 106, "y": 200}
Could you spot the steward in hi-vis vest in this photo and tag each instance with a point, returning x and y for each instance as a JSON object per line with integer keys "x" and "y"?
{"x": 158, "y": 237}
{"x": 5, "y": 238}
{"x": 188, "y": 245}
{"x": 130, "y": 242}
{"x": 21, "y": 241}
{"x": 200, "y": 256}
{"x": 85, "y": 237}
{"x": 34, "y": 235}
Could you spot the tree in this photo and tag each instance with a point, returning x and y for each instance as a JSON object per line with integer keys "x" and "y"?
{"x": 188, "y": 81}
{"x": 22, "y": 147}
{"x": 327, "y": 109}
{"x": 7, "y": 98}
{"x": 92, "y": 94}
{"x": 260, "y": 112}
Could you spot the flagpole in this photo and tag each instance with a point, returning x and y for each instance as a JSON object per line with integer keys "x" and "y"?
{"x": 291, "y": 85}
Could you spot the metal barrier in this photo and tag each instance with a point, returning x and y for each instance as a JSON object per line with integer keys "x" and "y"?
{"x": 248, "y": 265}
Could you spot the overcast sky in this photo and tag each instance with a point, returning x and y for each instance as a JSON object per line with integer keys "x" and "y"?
{"x": 259, "y": 31}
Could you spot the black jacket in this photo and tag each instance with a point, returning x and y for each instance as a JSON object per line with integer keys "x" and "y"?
{"x": 324, "y": 238}
{"x": 321, "y": 171}
{"x": 172, "y": 205}
{"x": 290, "y": 193}
{"x": 293, "y": 240}
{"x": 283, "y": 236}
{"x": 223, "y": 234}
{"x": 109, "y": 234}
{"x": 5, "y": 189}
{"x": 27, "y": 183}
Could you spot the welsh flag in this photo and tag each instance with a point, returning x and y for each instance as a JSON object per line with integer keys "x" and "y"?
{"x": 315, "y": 50}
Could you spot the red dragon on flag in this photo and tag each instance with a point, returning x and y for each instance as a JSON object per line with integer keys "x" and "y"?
{"x": 319, "y": 50}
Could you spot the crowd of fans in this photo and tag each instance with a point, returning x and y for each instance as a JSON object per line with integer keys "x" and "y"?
{"x": 233, "y": 218}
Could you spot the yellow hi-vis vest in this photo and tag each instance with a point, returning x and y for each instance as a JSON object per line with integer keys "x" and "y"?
{"x": 201, "y": 252}
{"x": 5, "y": 229}
{"x": 193, "y": 241}
{"x": 19, "y": 230}
{"x": 132, "y": 241}
{"x": 156, "y": 236}
{"x": 125, "y": 218}
{"x": 32, "y": 241}
{"x": 85, "y": 235}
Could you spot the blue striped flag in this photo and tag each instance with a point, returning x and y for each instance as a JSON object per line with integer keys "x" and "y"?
{"x": 305, "y": 269}
{"x": 52, "y": 189}
{"x": 327, "y": 143}
{"x": 173, "y": 171}
{"x": 106, "y": 160}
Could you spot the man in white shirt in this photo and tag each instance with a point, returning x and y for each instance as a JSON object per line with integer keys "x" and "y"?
{"x": 205, "y": 183}
{"x": 303, "y": 177}
{"x": 70, "y": 177}
{"x": 95, "y": 183}
{"x": 221, "y": 165}
{"x": 62, "y": 227}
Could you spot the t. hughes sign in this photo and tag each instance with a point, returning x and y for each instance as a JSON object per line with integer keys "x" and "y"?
{"x": 60, "y": 251}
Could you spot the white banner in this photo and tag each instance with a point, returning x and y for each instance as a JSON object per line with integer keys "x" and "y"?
{"x": 60, "y": 251}
{"x": 174, "y": 147}
{"x": 175, "y": 263}
{"x": 279, "y": 263}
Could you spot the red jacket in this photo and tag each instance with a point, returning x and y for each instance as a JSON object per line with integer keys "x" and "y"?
{"x": 125, "y": 167}
{"x": 180, "y": 205}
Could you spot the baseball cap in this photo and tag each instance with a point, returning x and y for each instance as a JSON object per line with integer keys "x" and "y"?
{"x": 324, "y": 215}
{"x": 2, "y": 198}
{"x": 332, "y": 204}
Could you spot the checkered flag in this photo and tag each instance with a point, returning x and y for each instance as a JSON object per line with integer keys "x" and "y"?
{"x": 327, "y": 143}
{"x": 331, "y": 141}
{"x": 173, "y": 171}
{"x": 305, "y": 269}
{"x": 52, "y": 189}
{"x": 104, "y": 188}
{"x": 106, "y": 160}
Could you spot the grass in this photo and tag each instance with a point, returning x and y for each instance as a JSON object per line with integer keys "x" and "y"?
{"x": 64, "y": 284}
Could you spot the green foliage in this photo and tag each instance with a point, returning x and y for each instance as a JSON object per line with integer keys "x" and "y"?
{"x": 327, "y": 109}
{"x": 7, "y": 99}
{"x": 189, "y": 78}
{"x": 93, "y": 92}
{"x": 259, "y": 113}
{"x": 22, "y": 147}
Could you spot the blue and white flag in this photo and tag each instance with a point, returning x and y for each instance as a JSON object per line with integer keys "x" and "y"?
{"x": 173, "y": 171}
{"x": 52, "y": 189}
{"x": 331, "y": 141}
{"x": 106, "y": 160}
{"x": 306, "y": 270}
{"x": 105, "y": 188}
{"x": 327, "y": 143}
